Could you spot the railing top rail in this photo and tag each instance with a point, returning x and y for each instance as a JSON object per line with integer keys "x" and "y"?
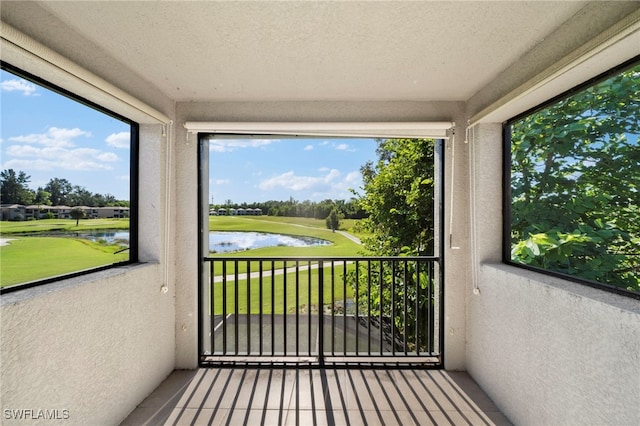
{"x": 321, "y": 258}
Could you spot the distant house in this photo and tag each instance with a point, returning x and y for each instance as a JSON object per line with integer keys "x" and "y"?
{"x": 222, "y": 212}
{"x": 113, "y": 212}
{"x": 13, "y": 212}
{"x": 19, "y": 212}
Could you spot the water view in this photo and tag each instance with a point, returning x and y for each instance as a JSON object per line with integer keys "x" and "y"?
{"x": 219, "y": 241}
{"x": 110, "y": 236}
{"x": 227, "y": 242}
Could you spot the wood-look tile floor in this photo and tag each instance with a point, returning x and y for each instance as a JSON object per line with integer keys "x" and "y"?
{"x": 279, "y": 396}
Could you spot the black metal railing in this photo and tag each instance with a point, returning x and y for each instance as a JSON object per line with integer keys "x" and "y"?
{"x": 317, "y": 310}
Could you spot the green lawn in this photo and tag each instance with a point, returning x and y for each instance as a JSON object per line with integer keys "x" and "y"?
{"x": 348, "y": 225}
{"x": 33, "y": 258}
{"x": 61, "y": 225}
{"x": 294, "y": 302}
{"x": 341, "y": 246}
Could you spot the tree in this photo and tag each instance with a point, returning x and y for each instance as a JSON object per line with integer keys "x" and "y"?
{"x": 399, "y": 197}
{"x": 575, "y": 180}
{"x": 14, "y": 188}
{"x": 60, "y": 190}
{"x": 333, "y": 220}
{"x": 77, "y": 214}
{"x": 43, "y": 197}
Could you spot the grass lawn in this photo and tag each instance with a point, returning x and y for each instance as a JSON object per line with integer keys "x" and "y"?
{"x": 341, "y": 246}
{"x": 294, "y": 302}
{"x": 33, "y": 258}
{"x": 348, "y": 225}
{"x": 61, "y": 225}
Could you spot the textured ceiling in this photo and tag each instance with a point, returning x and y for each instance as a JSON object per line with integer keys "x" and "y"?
{"x": 280, "y": 51}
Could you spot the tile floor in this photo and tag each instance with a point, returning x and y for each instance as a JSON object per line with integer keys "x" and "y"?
{"x": 279, "y": 396}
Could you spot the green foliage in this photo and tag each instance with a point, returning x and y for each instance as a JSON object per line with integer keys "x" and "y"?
{"x": 399, "y": 202}
{"x": 333, "y": 220}
{"x": 77, "y": 214}
{"x": 14, "y": 188}
{"x": 399, "y": 197}
{"x": 389, "y": 286}
{"x": 575, "y": 178}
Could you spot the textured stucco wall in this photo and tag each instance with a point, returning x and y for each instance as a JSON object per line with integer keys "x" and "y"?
{"x": 547, "y": 351}
{"x": 186, "y": 196}
{"x": 93, "y": 346}
{"x": 550, "y": 353}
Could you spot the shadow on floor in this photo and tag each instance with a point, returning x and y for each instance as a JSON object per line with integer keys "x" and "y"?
{"x": 286, "y": 396}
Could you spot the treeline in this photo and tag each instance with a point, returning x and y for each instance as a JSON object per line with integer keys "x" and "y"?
{"x": 14, "y": 189}
{"x": 347, "y": 209}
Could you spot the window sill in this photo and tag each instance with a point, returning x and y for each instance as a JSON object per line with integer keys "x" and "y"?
{"x": 533, "y": 278}
{"x": 19, "y": 295}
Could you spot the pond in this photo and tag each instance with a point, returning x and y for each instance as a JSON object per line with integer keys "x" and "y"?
{"x": 227, "y": 242}
{"x": 219, "y": 241}
{"x": 110, "y": 236}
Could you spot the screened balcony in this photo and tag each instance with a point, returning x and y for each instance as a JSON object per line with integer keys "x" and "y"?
{"x": 126, "y": 344}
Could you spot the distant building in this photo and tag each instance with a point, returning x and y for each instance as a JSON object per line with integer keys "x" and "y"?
{"x": 19, "y": 212}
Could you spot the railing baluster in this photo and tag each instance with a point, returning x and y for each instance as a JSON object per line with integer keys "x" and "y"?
{"x": 261, "y": 330}
{"x": 381, "y": 305}
{"x": 404, "y": 313}
{"x": 357, "y": 287}
{"x": 248, "y": 307}
{"x": 431, "y": 308}
{"x": 393, "y": 307}
{"x": 418, "y": 314}
{"x": 309, "y": 306}
{"x": 369, "y": 308}
{"x": 273, "y": 308}
{"x": 321, "y": 313}
{"x": 236, "y": 310}
{"x": 297, "y": 308}
{"x": 333, "y": 310}
{"x": 212, "y": 307}
{"x": 344, "y": 307}
{"x": 224, "y": 307}
{"x": 284, "y": 305}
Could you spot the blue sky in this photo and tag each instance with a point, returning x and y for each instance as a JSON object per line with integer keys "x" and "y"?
{"x": 47, "y": 135}
{"x": 246, "y": 170}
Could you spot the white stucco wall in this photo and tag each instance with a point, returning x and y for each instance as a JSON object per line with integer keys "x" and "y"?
{"x": 547, "y": 351}
{"x": 98, "y": 344}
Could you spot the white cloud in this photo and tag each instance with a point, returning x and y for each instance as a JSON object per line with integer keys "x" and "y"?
{"x": 344, "y": 147}
{"x": 55, "y": 150}
{"x": 54, "y": 137}
{"x": 308, "y": 148}
{"x": 290, "y": 181}
{"x": 221, "y": 182}
{"x": 119, "y": 140}
{"x": 353, "y": 177}
{"x": 20, "y": 85}
{"x": 228, "y": 145}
